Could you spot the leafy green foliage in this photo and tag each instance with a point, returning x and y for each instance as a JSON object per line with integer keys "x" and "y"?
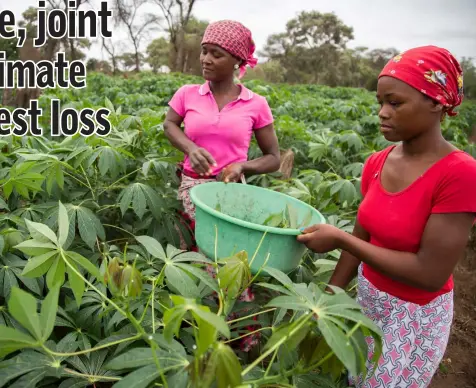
{"x": 98, "y": 288}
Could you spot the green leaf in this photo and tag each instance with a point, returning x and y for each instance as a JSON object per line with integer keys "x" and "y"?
{"x": 139, "y": 202}
{"x": 171, "y": 346}
{"x": 340, "y": 344}
{"x": 49, "y": 308}
{"x": 41, "y": 232}
{"x": 138, "y": 357}
{"x": 181, "y": 281}
{"x": 29, "y": 380}
{"x": 85, "y": 263}
{"x": 214, "y": 320}
{"x": 22, "y": 307}
{"x": 3, "y": 204}
{"x": 191, "y": 257}
{"x": 292, "y": 216}
{"x": 289, "y": 302}
{"x": 275, "y": 287}
{"x": 172, "y": 321}
{"x": 39, "y": 265}
{"x": 235, "y": 274}
{"x": 56, "y": 273}
{"x": 109, "y": 105}
{"x": 89, "y": 225}
{"x": 9, "y": 282}
{"x": 11, "y": 335}
{"x": 32, "y": 284}
{"x": 22, "y": 181}
{"x": 35, "y": 248}
{"x": 206, "y": 333}
{"x": 63, "y": 225}
{"x": 285, "y": 331}
{"x": 76, "y": 283}
{"x": 228, "y": 367}
{"x": 280, "y": 276}
{"x": 202, "y": 275}
{"x": 139, "y": 378}
{"x": 274, "y": 220}
{"x": 73, "y": 383}
{"x": 307, "y": 220}
{"x": 152, "y": 246}
{"x": 178, "y": 380}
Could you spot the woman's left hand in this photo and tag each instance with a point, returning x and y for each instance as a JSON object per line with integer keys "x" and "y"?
{"x": 321, "y": 238}
{"x": 231, "y": 173}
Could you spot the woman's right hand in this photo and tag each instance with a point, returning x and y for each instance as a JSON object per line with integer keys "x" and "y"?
{"x": 201, "y": 161}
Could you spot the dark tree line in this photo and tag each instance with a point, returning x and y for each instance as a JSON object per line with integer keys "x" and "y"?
{"x": 313, "y": 47}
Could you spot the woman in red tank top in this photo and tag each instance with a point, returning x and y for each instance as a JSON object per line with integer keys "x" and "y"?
{"x": 412, "y": 227}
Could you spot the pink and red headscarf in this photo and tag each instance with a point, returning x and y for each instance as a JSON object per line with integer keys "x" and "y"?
{"x": 233, "y": 37}
{"x": 433, "y": 71}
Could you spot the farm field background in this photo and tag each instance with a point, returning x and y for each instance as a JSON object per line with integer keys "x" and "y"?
{"x": 107, "y": 190}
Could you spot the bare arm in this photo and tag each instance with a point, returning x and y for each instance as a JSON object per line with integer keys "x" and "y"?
{"x": 443, "y": 244}
{"x": 174, "y": 133}
{"x": 347, "y": 266}
{"x": 200, "y": 158}
{"x": 268, "y": 143}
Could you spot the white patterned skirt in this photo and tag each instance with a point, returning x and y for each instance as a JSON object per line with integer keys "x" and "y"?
{"x": 415, "y": 337}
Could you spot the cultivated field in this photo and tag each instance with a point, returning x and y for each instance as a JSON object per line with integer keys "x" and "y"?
{"x": 89, "y": 235}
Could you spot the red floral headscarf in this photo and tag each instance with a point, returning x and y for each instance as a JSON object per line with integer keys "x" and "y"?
{"x": 233, "y": 37}
{"x": 432, "y": 70}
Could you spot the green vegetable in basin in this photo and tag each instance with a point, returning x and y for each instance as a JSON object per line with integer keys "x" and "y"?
{"x": 237, "y": 216}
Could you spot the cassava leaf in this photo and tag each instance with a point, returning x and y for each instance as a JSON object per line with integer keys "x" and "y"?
{"x": 49, "y": 308}
{"x": 228, "y": 367}
{"x": 63, "y": 225}
{"x": 181, "y": 281}
{"x": 41, "y": 232}
{"x": 23, "y": 307}
{"x": 152, "y": 246}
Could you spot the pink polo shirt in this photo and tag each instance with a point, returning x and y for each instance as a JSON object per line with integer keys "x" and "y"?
{"x": 226, "y": 134}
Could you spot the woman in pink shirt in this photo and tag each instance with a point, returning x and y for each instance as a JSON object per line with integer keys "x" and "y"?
{"x": 220, "y": 116}
{"x": 412, "y": 227}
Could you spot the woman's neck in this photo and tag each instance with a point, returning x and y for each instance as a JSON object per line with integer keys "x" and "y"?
{"x": 429, "y": 143}
{"x": 223, "y": 87}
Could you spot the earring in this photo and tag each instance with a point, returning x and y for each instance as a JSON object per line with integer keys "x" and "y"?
{"x": 236, "y": 66}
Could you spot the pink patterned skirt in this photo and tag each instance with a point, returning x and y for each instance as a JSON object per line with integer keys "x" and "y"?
{"x": 415, "y": 337}
{"x": 186, "y": 184}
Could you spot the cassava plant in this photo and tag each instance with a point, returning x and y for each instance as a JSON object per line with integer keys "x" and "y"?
{"x": 162, "y": 323}
{"x": 98, "y": 288}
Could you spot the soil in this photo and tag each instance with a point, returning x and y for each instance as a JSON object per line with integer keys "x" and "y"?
{"x": 458, "y": 368}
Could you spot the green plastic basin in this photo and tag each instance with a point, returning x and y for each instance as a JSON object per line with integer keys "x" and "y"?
{"x": 243, "y": 209}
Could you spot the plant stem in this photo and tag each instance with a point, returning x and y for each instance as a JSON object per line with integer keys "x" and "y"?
{"x": 120, "y": 179}
{"x": 117, "y": 227}
{"x": 137, "y": 336}
{"x": 92, "y": 286}
{"x": 251, "y": 315}
{"x": 157, "y": 363}
{"x": 257, "y": 249}
{"x": 221, "y": 296}
{"x": 303, "y": 319}
{"x": 89, "y": 183}
{"x": 259, "y": 271}
{"x": 91, "y": 377}
{"x": 248, "y": 334}
{"x": 271, "y": 363}
{"x": 72, "y": 176}
{"x": 153, "y": 307}
{"x": 152, "y": 344}
{"x": 149, "y": 300}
